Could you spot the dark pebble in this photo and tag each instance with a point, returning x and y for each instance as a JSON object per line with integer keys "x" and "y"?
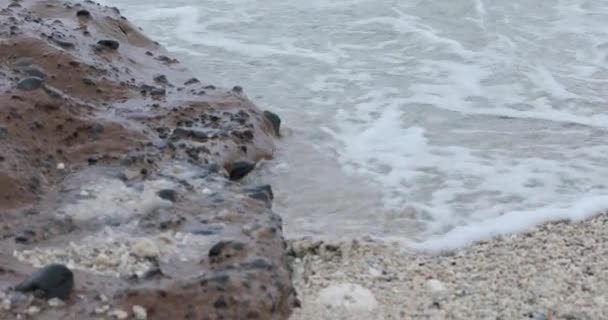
{"x": 64, "y": 44}
{"x": 34, "y": 72}
{"x": 220, "y": 303}
{"x": 210, "y": 87}
{"x": 191, "y": 81}
{"x": 21, "y": 237}
{"x": 218, "y": 248}
{"x": 158, "y": 92}
{"x": 168, "y": 194}
{"x": 3, "y": 133}
{"x": 31, "y": 83}
{"x": 240, "y": 169}
{"x": 110, "y": 44}
{"x": 23, "y": 62}
{"x": 274, "y": 120}
{"x": 237, "y": 89}
{"x": 263, "y": 193}
{"x": 83, "y": 13}
{"x": 162, "y": 79}
{"x": 88, "y": 82}
{"x": 55, "y": 281}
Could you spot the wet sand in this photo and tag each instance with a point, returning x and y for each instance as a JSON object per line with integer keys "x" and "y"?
{"x": 554, "y": 271}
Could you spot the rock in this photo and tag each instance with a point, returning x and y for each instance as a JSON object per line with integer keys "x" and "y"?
{"x": 274, "y": 120}
{"x": 167, "y": 194}
{"x": 140, "y": 312}
{"x": 240, "y": 169}
{"x": 55, "y": 303}
{"x": 55, "y": 281}
{"x": 237, "y": 89}
{"x": 349, "y": 296}
{"x": 110, "y": 44}
{"x": 30, "y": 83}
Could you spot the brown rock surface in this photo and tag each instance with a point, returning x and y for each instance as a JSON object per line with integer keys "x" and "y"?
{"x": 91, "y": 132}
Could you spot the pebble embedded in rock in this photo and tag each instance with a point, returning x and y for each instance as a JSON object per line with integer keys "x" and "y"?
{"x": 118, "y": 314}
{"x": 167, "y": 194}
{"x": 240, "y": 169}
{"x": 161, "y": 78}
{"x": 83, "y": 13}
{"x": 145, "y": 248}
{"x": 63, "y": 43}
{"x": 33, "y": 310}
{"x": 237, "y": 89}
{"x": 263, "y": 193}
{"x": 34, "y": 72}
{"x": 102, "y": 310}
{"x": 88, "y": 82}
{"x": 55, "y": 302}
{"x": 110, "y": 44}
{"x": 55, "y": 281}
{"x": 274, "y": 120}
{"x": 140, "y": 312}
{"x": 23, "y": 61}
{"x": 191, "y": 81}
{"x": 30, "y": 83}
{"x": 3, "y": 133}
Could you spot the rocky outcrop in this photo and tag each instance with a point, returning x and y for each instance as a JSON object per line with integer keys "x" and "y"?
{"x": 116, "y": 162}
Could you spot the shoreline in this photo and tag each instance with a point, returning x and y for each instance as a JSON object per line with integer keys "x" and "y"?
{"x": 554, "y": 271}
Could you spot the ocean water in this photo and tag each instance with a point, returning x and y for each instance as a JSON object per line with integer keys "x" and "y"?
{"x": 438, "y": 123}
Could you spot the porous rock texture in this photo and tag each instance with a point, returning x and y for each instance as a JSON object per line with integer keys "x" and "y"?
{"x": 116, "y": 162}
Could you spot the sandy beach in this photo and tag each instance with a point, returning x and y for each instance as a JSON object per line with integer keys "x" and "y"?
{"x": 554, "y": 271}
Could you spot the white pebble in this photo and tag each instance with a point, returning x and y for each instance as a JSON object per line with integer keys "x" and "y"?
{"x": 435, "y": 286}
{"x": 102, "y": 310}
{"x": 140, "y": 312}
{"x": 348, "y": 295}
{"x": 375, "y": 272}
{"x": 145, "y": 248}
{"x": 60, "y": 166}
{"x": 6, "y": 304}
{"x": 56, "y": 302}
{"x": 118, "y": 314}
{"x": 33, "y": 310}
{"x": 207, "y": 191}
